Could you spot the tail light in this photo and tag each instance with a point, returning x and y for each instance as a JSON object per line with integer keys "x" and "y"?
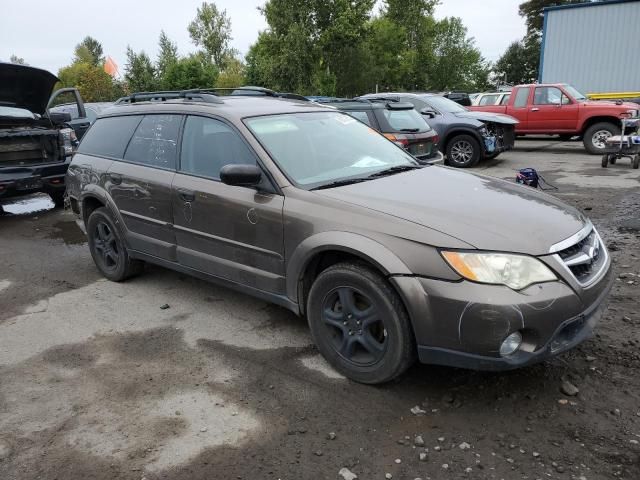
{"x": 69, "y": 140}
{"x": 399, "y": 140}
{"x": 436, "y": 140}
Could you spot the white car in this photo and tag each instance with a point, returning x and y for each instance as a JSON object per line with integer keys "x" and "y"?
{"x": 497, "y": 98}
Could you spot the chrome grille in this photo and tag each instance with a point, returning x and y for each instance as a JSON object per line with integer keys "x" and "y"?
{"x": 585, "y": 258}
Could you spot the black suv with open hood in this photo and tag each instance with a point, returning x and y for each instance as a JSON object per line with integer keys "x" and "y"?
{"x": 35, "y": 145}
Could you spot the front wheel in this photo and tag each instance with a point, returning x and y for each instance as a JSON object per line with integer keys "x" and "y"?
{"x": 359, "y": 324}
{"x": 636, "y": 162}
{"x": 595, "y": 137}
{"x": 107, "y": 248}
{"x": 463, "y": 151}
{"x": 605, "y": 160}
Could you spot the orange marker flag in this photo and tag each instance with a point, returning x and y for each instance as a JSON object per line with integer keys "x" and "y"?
{"x": 110, "y": 67}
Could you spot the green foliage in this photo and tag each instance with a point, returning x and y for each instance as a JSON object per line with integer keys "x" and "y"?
{"x": 233, "y": 74}
{"x": 94, "y": 84}
{"x": 167, "y": 56}
{"x": 140, "y": 73}
{"x": 89, "y": 51}
{"x": 335, "y": 47}
{"x": 194, "y": 71}
{"x": 211, "y": 30}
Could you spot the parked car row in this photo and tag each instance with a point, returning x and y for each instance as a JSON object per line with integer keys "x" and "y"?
{"x": 562, "y": 110}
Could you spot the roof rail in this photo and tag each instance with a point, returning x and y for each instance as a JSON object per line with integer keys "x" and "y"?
{"x": 163, "y": 96}
{"x": 207, "y": 95}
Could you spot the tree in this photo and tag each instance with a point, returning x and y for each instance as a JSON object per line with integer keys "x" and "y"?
{"x": 517, "y": 64}
{"x": 90, "y": 51}
{"x": 167, "y": 56}
{"x": 17, "y": 60}
{"x": 140, "y": 73}
{"x": 211, "y": 30}
{"x": 194, "y": 71}
{"x": 94, "y": 84}
{"x": 233, "y": 74}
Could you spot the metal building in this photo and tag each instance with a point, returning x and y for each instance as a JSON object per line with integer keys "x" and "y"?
{"x": 593, "y": 46}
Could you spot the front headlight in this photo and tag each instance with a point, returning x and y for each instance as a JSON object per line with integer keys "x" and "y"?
{"x": 514, "y": 271}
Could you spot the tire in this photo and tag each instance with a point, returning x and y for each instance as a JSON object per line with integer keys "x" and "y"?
{"x": 107, "y": 248}
{"x": 463, "y": 151}
{"x": 595, "y": 135}
{"x": 58, "y": 199}
{"x": 605, "y": 160}
{"x": 369, "y": 348}
{"x": 635, "y": 163}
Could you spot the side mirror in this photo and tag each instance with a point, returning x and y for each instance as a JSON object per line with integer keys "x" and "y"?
{"x": 241, "y": 175}
{"x": 60, "y": 117}
{"x": 428, "y": 112}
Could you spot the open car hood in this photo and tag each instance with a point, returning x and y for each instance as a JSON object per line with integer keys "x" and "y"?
{"x": 489, "y": 117}
{"x": 26, "y": 87}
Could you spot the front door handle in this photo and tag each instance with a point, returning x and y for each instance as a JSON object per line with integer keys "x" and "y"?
{"x": 535, "y": 109}
{"x": 115, "y": 178}
{"x": 187, "y": 195}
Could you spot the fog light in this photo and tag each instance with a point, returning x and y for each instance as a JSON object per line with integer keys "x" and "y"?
{"x": 511, "y": 344}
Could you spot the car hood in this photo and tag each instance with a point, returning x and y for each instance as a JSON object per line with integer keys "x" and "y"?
{"x": 488, "y": 213}
{"x": 26, "y": 87}
{"x": 488, "y": 117}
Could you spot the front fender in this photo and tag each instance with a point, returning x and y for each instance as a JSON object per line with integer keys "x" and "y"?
{"x": 367, "y": 249}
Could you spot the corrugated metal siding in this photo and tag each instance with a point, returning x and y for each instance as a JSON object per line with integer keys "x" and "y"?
{"x": 596, "y": 49}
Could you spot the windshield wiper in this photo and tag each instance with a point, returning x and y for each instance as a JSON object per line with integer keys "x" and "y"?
{"x": 410, "y": 130}
{"x": 341, "y": 183}
{"x": 394, "y": 170}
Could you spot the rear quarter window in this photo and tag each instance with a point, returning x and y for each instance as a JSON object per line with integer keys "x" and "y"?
{"x": 109, "y": 137}
{"x": 403, "y": 120}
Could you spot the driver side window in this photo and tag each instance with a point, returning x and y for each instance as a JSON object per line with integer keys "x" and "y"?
{"x": 208, "y": 145}
{"x": 548, "y": 96}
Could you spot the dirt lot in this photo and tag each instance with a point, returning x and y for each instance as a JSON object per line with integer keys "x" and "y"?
{"x": 98, "y": 382}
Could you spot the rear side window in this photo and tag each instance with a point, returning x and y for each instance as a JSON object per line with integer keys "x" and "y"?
{"x": 155, "y": 142}
{"x": 522, "y": 96}
{"x": 209, "y": 144}
{"x": 403, "y": 120}
{"x": 488, "y": 100}
{"x": 360, "y": 115}
{"x": 108, "y": 137}
{"x": 505, "y": 100}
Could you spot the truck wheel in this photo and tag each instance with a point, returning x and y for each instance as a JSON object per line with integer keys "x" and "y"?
{"x": 636, "y": 161}
{"x": 359, "y": 324}
{"x": 463, "y": 151}
{"x": 595, "y": 136}
{"x": 58, "y": 199}
{"x": 107, "y": 248}
{"x": 605, "y": 160}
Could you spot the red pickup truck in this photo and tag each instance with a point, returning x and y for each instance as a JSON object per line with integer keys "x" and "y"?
{"x": 561, "y": 109}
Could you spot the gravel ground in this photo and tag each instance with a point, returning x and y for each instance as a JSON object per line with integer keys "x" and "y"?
{"x": 98, "y": 382}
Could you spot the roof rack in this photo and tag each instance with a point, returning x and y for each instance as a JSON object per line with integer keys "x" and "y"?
{"x": 207, "y": 95}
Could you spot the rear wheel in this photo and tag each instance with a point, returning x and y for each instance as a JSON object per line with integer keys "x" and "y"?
{"x": 359, "y": 324}
{"x": 596, "y": 135}
{"x": 605, "y": 160}
{"x": 636, "y": 161}
{"x": 107, "y": 248}
{"x": 58, "y": 199}
{"x": 463, "y": 151}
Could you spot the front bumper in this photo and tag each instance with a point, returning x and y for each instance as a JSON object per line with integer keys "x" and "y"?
{"x": 49, "y": 178}
{"x": 462, "y": 324}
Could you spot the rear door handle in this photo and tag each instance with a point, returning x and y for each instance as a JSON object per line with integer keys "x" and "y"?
{"x": 115, "y": 178}
{"x": 535, "y": 109}
{"x": 187, "y": 195}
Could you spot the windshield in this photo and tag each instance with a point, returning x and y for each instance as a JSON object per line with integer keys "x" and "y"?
{"x": 319, "y": 148}
{"x": 574, "y": 93}
{"x": 15, "y": 112}
{"x": 443, "y": 104}
{"x": 406, "y": 120}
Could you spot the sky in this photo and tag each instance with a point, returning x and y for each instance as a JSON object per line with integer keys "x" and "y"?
{"x": 45, "y": 33}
